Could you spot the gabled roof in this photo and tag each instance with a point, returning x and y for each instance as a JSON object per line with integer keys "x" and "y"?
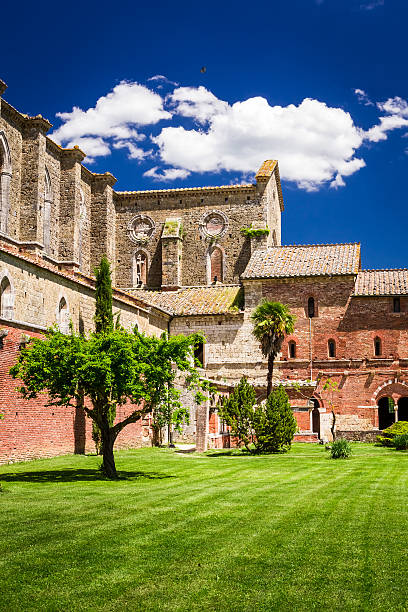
{"x": 382, "y": 282}
{"x": 304, "y": 260}
{"x": 218, "y": 299}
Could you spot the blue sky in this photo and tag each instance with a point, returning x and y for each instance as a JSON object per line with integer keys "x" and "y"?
{"x": 280, "y": 82}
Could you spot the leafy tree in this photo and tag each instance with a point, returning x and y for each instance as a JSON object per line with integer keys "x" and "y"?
{"x": 274, "y": 423}
{"x": 272, "y": 321}
{"x": 109, "y": 370}
{"x": 237, "y": 411}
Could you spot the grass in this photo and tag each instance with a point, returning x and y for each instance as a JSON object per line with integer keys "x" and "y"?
{"x": 192, "y": 532}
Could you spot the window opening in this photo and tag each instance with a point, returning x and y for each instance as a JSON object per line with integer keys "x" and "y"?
{"x": 377, "y": 347}
{"x": 6, "y": 299}
{"x": 310, "y": 308}
{"x": 397, "y": 305}
{"x": 332, "y": 348}
{"x": 140, "y": 269}
{"x": 199, "y": 353}
{"x": 292, "y": 350}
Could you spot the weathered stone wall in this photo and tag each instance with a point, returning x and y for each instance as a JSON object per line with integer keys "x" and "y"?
{"x": 10, "y": 124}
{"x": 37, "y": 293}
{"x": 240, "y": 205}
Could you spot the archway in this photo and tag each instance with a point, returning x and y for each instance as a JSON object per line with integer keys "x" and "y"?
{"x": 403, "y": 409}
{"x": 386, "y": 415}
{"x": 315, "y": 417}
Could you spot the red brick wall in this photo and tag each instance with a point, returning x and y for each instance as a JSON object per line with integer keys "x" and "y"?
{"x": 31, "y": 429}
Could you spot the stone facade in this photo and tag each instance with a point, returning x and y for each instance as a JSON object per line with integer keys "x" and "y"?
{"x": 181, "y": 263}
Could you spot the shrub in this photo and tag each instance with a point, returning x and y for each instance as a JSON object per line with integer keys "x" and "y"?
{"x": 396, "y": 429}
{"x": 274, "y": 423}
{"x": 401, "y": 442}
{"x": 340, "y": 449}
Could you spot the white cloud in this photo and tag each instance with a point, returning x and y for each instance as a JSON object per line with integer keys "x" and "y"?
{"x": 166, "y": 174}
{"x": 134, "y": 152}
{"x": 313, "y": 142}
{"x": 396, "y": 117}
{"x": 93, "y": 147}
{"x": 160, "y": 78}
{"x": 363, "y": 97}
{"x": 117, "y": 116}
{"x": 394, "y": 106}
{"x": 197, "y": 102}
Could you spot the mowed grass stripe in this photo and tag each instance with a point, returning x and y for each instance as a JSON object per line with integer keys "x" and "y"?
{"x": 296, "y": 531}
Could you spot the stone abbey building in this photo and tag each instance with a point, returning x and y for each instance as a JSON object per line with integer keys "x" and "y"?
{"x": 181, "y": 263}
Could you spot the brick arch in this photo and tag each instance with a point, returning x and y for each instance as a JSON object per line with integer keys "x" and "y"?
{"x": 390, "y": 388}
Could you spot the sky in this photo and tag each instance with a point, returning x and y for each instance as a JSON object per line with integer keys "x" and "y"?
{"x": 176, "y": 94}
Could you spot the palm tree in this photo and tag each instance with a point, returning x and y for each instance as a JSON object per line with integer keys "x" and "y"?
{"x": 272, "y": 321}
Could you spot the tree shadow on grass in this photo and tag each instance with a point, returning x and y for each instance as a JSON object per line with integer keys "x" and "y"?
{"x": 75, "y": 475}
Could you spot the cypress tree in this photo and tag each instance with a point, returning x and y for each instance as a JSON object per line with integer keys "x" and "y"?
{"x": 103, "y": 323}
{"x": 103, "y": 298}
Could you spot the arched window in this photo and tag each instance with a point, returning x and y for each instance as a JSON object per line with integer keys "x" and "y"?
{"x": 331, "y": 346}
{"x": 6, "y": 299}
{"x": 139, "y": 269}
{"x": 5, "y": 178}
{"x": 63, "y": 316}
{"x": 47, "y": 213}
{"x": 292, "y": 350}
{"x": 377, "y": 347}
{"x": 311, "y": 308}
{"x": 81, "y": 230}
{"x": 216, "y": 265}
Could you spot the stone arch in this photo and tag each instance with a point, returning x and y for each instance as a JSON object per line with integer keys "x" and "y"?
{"x": 6, "y": 298}
{"x": 5, "y": 179}
{"x": 140, "y": 268}
{"x": 390, "y": 388}
{"x": 48, "y": 199}
{"x": 81, "y": 227}
{"x": 62, "y": 314}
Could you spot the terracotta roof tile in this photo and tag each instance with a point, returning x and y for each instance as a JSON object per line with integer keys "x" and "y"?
{"x": 382, "y": 282}
{"x": 219, "y": 299}
{"x": 304, "y": 260}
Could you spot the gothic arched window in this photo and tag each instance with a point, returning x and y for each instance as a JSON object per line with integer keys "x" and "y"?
{"x": 63, "y": 316}
{"x": 139, "y": 269}
{"x": 216, "y": 265}
{"x": 6, "y": 299}
{"x": 5, "y": 178}
{"x": 81, "y": 231}
{"x": 47, "y": 213}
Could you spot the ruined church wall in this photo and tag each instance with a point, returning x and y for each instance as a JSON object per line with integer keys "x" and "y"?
{"x": 13, "y": 133}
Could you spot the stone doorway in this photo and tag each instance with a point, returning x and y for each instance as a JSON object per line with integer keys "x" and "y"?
{"x": 386, "y": 415}
{"x": 403, "y": 409}
{"x": 316, "y": 417}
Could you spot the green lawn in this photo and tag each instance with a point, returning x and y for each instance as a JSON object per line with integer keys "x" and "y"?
{"x": 190, "y": 532}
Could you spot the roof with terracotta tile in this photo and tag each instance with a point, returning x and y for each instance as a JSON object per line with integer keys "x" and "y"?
{"x": 382, "y": 282}
{"x": 304, "y": 260}
{"x": 218, "y": 299}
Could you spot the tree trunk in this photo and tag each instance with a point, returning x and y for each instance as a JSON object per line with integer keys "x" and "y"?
{"x": 108, "y": 463}
{"x": 271, "y": 359}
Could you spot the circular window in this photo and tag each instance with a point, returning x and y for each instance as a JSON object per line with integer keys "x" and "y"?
{"x": 141, "y": 229}
{"x": 214, "y": 223}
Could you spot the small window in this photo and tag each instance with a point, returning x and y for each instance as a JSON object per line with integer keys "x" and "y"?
{"x": 292, "y": 350}
{"x": 332, "y": 348}
{"x": 377, "y": 347}
{"x": 6, "y": 299}
{"x": 63, "y": 316}
{"x": 311, "y": 308}
{"x": 199, "y": 353}
{"x": 397, "y": 305}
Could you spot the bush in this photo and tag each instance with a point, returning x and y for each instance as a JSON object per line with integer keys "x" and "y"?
{"x": 401, "y": 442}
{"x": 274, "y": 423}
{"x": 396, "y": 429}
{"x": 340, "y": 449}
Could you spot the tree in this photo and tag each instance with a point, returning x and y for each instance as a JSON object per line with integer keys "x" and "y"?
{"x": 237, "y": 411}
{"x": 103, "y": 298}
{"x": 109, "y": 370}
{"x": 272, "y": 321}
{"x": 103, "y": 323}
{"x": 274, "y": 423}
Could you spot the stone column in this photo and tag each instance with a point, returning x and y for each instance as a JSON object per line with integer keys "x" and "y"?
{"x": 70, "y": 198}
{"x": 172, "y": 247}
{"x": 202, "y": 425}
{"x": 103, "y": 220}
{"x": 33, "y": 179}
